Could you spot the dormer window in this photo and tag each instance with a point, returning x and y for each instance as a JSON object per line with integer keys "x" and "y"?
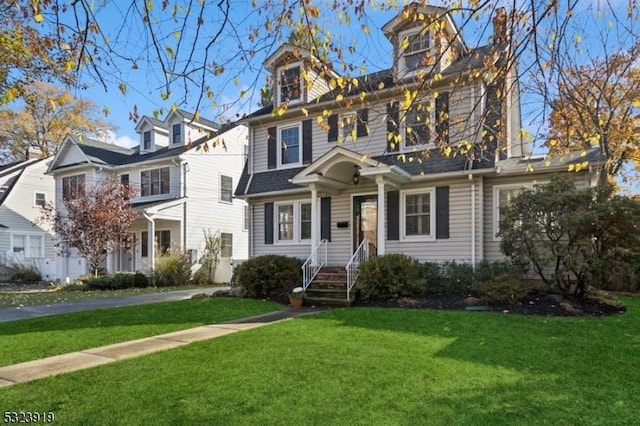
{"x": 289, "y": 84}
{"x": 417, "y": 124}
{"x": 176, "y": 134}
{"x": 146, "y": 140}
{"x": 415, "y": 46}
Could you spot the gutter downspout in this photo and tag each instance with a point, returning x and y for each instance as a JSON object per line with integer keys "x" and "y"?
{"x": 473, "y": 219}
{"x": 481, "y": 215}
{"x": 185, "y": 169}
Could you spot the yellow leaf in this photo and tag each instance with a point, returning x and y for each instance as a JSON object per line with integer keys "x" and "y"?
{"x": 381, "y": 86}
{"x": 578, "y": 39}
{"x": 636, "y": 103}
{"x": 69, "y": 66}
{"x": 571, "y": 167}
{"x": 123, "y": 88}
{"x": 362, "y": 96}
{"x": 437, "y": 76}
{"x": 404, "y": 44}
{"x": 305, "y": 112}
{"x": 176, "y": 35}
{"x": 339, "y": 97}
{"x": 553, "y": 142}
{"x": 355, "y": 82}
{"x": 447, "y": 151}
{"x": 319, "y": 119}
{"x": 38, "y": 17}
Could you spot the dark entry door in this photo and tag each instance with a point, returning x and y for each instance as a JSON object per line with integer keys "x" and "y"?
{"x": 365, "y": 221}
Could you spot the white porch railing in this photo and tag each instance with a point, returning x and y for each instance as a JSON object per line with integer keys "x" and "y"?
{"x": 314, "y": 263}
{"x": 353, "y": 267}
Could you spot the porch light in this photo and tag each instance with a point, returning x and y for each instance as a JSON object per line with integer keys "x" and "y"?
{"x": 356, "y": 174}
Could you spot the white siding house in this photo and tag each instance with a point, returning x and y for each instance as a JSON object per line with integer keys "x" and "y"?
{"x": 24, "y": 188}
{"x": 338, "y": 163}
{"x": 182, "y": 189}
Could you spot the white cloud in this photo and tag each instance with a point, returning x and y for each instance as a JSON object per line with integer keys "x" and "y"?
{"x": 124, "y": 140}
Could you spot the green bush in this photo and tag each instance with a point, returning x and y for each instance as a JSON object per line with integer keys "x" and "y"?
{"x": 388, "y": 276}
{"x": 270, "y": 276}
{"x": 487, "y": 271}
{"x": 172, "y": 269}
{"x": 20, "y": 273}
{"x": 121, "y": 280}
{"x": 502, "y": 289}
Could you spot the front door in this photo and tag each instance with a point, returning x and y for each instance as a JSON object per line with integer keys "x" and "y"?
{"x": 365, "y": 222}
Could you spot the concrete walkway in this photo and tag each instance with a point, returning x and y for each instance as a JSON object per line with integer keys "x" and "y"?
{"x": 33, "y": 370}
{"x": 24, "y": 312}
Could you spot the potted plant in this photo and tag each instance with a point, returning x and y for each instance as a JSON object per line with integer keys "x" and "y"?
{"x": 296, "y": 297}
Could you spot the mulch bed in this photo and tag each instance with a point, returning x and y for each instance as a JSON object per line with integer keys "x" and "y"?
{"x": 25, "y": 287}
{"x": 544, "y": 305}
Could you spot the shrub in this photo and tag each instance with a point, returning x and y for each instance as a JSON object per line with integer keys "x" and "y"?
{"x": 388, "y": 276}
{"x": 173, "y": 268}
{"x": 270, "y": 276}
{"x": 502, "y": 289}
{"x": 487, "y": 271}
{"x": 119, "y": 281}
{"x": 20, "y": 273}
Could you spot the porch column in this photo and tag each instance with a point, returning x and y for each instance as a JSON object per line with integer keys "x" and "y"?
{"x": 381, "y": 215}
{"x": 315, "y": 219}
{"x": 151, "y": 244}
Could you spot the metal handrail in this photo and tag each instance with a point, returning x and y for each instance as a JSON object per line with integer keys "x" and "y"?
{"x": 353, "y": 267}
{"x": 313, "y": 264}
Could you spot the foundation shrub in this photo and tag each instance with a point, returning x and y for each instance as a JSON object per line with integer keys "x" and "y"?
{"x": 172, "y": 269}
{"x": 389, "y": 276}
{"x": 121, "y": 280}
{"x": 504, "y": 289}
{"x": 269, "y": 276}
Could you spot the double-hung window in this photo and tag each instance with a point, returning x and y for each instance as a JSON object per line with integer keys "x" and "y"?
{"x": 418, "y": 124}
{"x": 289, "y": 84}
{"x": 350, "y": 126}
{"x": 162, "y": 241}
{"x": 176, "y": 134}
{"x": 293, "y": 221}
{"x": 146, "y": 140}
{"x": 154, "y": 182}
{"x": 30, "y": 245}
{"x": 418, "y": 215}
{"x": 40, "y": 199}
{"x": 290, "y": 149}
{"x": 73, "y": 187}
{"x": 226, "y": 188}
{"x": 227, "y": 244}
{"x": 503, "y": 195}
{"x": 415, "y": 50}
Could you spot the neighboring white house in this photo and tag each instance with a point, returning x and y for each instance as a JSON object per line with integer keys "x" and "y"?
{"x": 346, "y": 160}
{"x": 182, "y": 188}
{"x": 24, "y": 188}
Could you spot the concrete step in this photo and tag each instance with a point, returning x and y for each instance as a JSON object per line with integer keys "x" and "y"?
{"x": 326, "y": 301}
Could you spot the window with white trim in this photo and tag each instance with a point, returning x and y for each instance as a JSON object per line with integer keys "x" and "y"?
{"x": 40, "y": 199}
{"x": 162, "y": 242}
{"x": 154, "y": 182}
{"x": 293, "y": 221}
{"x": 418, "y": 122}
{"x": 146, "y": 140}
{"x": 30, "y": 245}
{"x": 226, "y": 188}
{"x": 289, "y": 141}
{"x": 349, "y": 126}
{"x": 289, "y": 84}
{"x": 503, "y": 195}
{"x": 227, "y": 244}
{"x": 73, "y": 187}
{"x": 176, "y": 133}
{"x": 418, "y": 214}
{"x": 415, "y": 48}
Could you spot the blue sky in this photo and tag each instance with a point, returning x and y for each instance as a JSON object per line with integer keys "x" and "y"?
{"x": 373, "y": 53}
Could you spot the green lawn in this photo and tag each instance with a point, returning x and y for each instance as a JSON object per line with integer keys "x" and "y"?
{"x": 35, "y": 338}
{"x": 369, "y": 366}
{"x": 45, "y": 297}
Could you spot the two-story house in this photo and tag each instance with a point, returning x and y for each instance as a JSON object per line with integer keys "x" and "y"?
{"x": 182, "y": 189}
{"x": 24, "y": 189}
{"x": 416, "y": 159}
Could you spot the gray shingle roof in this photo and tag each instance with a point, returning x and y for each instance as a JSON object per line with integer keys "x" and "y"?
{"x": 271, "y": 181}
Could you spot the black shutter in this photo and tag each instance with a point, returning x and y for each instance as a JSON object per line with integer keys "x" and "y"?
{"x": 393, "y": 120}
{"x": 306, "y": 142}
{"x": 325, "y": 218}
{"x": 268, "y": 223}
{"x": 442, "y": 119}
{"x": 393, "y": 215}
{"x": 442, "y": 212}
{"x": 333, "y": 128}
{"x": 363, "y": 121}
{"x": 271, "y": 148}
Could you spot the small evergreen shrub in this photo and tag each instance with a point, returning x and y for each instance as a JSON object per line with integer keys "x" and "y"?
{"x": 505, "y": 289}
{"x": 270, "y": 276}
{"x": 20, "y": 273}
{"x": 486, "y": 271}
{"x": 172, "y": 269}
{"x": 388, "y": 276}
{"x": 121, "y": 280}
